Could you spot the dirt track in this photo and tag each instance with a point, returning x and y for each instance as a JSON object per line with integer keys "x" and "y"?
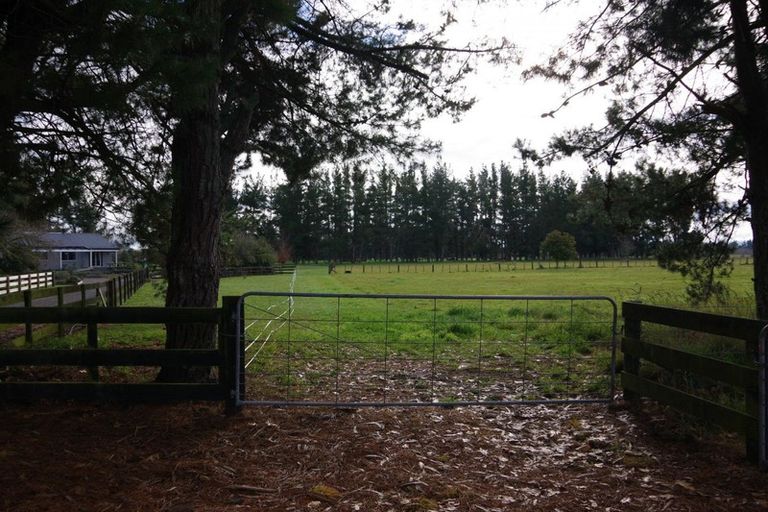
{"x": 193, "y": 458}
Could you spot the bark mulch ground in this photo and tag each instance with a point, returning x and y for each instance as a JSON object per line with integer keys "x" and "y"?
{"x": 192, "y": 457}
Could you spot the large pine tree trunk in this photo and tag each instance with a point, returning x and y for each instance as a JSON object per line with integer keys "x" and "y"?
{"x": 759, "y": 205}
{"x": 200, "y": 184}
{"x": 753, "y": 125}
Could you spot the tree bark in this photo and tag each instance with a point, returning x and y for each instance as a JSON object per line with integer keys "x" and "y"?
{"x": 200, "y": 184}
{"x": 757, "y": 194}
{"x": 753, "y": 125}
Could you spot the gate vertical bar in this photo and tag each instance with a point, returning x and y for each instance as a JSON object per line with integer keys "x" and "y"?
{"x": 386, "y": 348}
{"x": 229, "y": 341}
{"x": 613, "y": 350}
{"x": 480, "y": 350}
{"x": 288, "y": 356}
{"x": 434, "y": 346}
{"x": 338, "y": 354}
{"x": 525, "y": 350}
{"x": 240, "y": 345}
{"x": 571, "y": 341}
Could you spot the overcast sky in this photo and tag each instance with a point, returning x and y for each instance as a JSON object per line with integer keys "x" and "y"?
{"x": 508, "y": 108}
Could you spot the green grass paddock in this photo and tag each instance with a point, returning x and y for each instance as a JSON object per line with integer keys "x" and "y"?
{"x": 444, "y": 350}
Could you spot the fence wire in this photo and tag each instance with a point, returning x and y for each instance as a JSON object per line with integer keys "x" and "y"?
{"x": 346, "y": 349}
{"x": 267, "y": 329}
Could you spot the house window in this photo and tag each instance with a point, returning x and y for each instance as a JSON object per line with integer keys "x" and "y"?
{"x": 68, "y": 256}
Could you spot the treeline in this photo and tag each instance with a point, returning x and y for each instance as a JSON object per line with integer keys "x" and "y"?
{"x": 356, "y": 214}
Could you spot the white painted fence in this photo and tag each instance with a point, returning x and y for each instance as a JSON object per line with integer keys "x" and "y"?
{"x": 20, "y": 282}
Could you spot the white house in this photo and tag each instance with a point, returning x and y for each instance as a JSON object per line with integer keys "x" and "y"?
{"x": 69, "y": 251}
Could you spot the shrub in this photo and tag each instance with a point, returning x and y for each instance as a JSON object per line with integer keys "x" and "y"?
{"x": 249, "y": 251}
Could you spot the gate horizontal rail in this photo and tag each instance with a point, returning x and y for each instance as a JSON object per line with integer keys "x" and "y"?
{"x": 405, "y": 350}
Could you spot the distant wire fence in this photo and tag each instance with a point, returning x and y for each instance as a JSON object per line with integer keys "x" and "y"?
{"x": 377, "y": 350}
{"x": 384, "y": 267}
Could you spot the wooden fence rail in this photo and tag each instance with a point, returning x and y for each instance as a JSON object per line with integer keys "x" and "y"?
{"x": 637, "y": 349}
{"x": 21, "y": 282}
{"x": 222, "y": 356}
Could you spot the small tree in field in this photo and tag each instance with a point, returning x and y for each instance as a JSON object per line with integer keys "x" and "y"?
{"x": 559, "y": 246}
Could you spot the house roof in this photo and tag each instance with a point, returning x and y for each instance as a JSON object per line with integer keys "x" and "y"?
{"x": 77, "y": 241}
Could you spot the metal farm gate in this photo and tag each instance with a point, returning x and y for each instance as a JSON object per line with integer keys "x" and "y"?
{"x": 354, "y": 350}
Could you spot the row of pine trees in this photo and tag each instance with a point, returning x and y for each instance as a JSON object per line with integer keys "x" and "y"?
{"x": 355, "y": 214}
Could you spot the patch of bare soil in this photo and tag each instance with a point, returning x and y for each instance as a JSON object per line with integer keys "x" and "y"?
{"x": 192, "y": 457}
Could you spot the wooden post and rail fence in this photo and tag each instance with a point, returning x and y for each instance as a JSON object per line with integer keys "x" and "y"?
{"x": 752, "y": 420}
{"x": 112, "y": 292}
{"x": 223, "y": 356}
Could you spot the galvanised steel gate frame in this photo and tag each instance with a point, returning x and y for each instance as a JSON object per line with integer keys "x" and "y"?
{"x": 239, "y": 393}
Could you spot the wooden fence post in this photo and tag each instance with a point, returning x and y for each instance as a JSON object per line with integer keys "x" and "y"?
{"x": 633, "y": 331}
{"x": 752, "y": 403}
{"x": 93, "y": 342}
{"x": 109, "y": 294}
{"x": 28, "y": 327}
{"x": 84, "y": 296}
{"x": 60, "y": 304}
